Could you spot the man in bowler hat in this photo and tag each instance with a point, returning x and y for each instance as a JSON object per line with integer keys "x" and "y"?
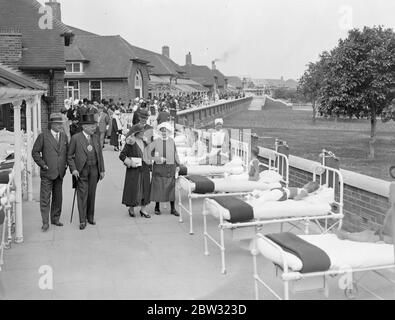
{"x": 50, "y": 154}
{"x": 85, "y": 159}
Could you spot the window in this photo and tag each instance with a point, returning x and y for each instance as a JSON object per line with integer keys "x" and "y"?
{"x": 95, "y": 90}
{"x": 138, "y": 85}
{"x": 72, "y": 89}
{"x": 74, "y": 67}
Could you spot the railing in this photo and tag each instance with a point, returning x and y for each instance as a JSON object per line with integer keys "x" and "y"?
{"x": 206, "y": 114}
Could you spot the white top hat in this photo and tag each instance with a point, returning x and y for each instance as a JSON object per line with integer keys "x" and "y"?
{"x": 166, "y": 125}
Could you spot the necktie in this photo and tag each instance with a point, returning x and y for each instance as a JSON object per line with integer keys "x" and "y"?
{"x": 57, "y": 137}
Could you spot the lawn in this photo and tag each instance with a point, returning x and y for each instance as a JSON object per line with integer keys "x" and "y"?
{"x": 348, "y": 139}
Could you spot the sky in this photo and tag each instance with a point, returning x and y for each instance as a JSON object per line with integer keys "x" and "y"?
{"x": 249, "y": 38}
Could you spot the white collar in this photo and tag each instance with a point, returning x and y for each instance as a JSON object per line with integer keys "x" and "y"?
{"x": 87, "y": 136}
{"x": 55, "y": 134}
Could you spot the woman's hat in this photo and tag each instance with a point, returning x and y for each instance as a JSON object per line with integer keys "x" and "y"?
{"x": 167, "y": 126}
{"x": 219, "y": 121}
{"x": 56, "y": 118}
{"x": 137, "y": 128}
{"x": 88, "y": 119}
{"x": 117, "y": 112}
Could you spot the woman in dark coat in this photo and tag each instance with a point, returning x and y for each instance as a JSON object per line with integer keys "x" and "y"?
{"x": 136, "y": 191}
{"x": 116, "y": 130}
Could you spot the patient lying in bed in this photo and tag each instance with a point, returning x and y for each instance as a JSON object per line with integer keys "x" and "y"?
{"x": 380, "y": 235}
{"x": 283, "y": 194}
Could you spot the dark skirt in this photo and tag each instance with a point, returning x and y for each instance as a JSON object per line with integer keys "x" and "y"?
{"x": 163, "y": 184}
{"x": 136, "y": 190}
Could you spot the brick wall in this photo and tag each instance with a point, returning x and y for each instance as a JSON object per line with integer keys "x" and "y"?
{"x": 363, "y": 209}
{"x": 10, "y": 46}
{"x": 57, "y": 91}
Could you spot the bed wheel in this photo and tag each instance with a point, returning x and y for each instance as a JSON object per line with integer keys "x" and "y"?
{"x": 351, "y": 293}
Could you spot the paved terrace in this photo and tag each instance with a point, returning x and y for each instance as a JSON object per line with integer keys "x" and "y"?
{"x": 125, "y": 258}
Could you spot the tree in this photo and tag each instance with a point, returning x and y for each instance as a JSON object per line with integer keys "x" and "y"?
{"x": 312, "y": 81}
{"x": 360, "y": 77}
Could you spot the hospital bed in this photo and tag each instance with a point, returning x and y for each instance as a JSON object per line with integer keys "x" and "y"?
{"x": 230, "y": 185}
{"x": 7, "y": 208}
{"x": 307, "y": 269}
{"x": 325, "y": 205}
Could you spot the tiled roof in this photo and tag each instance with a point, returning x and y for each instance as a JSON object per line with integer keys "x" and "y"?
{"x": 161, "y": 65}
{"x": 42, "y": 48}
{"x": 73, "y": 53}
{"x": 220, "y": 77}
{"x": 108, "y": 56}
{"x": 80, "y": 32}
{"x": 16, "y": 79}
{"x": 200, "y": 74}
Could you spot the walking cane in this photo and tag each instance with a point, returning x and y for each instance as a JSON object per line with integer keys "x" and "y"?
{"x": 75, "y": 193}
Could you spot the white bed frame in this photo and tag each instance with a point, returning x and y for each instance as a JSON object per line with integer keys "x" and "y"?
{"x": 258, "y": 224}
{"x": 237, "y": 150}
{"x": 290, "y": 277}
{"x": 8, "y": 201}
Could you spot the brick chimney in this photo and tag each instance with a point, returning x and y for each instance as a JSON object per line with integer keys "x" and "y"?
{"x": 10, "y": 46}
{"x": 166, "y": 51}
{"x": 214, "y": 67}
{"x": 56, "y": 9}
{"x": 188, "y": 59}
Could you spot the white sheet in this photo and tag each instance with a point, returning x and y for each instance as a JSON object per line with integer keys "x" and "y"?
{"x": 234, "y": 167}
{"x": 342, "y": 253}
{"x": 314, "y": 205}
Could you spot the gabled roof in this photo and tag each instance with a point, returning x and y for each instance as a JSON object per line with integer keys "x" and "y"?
{"x": 80, "y": 32}
{"x": 235, "y": 81}
{"x": 73, "y": 53}
{"x": 200, "y": 74}
{"x": 108, "y": 56}
{"x": 16, "y": 79}
{"x": 161, "y": 65}
{"x": 41, "y": 48}
{"x": 221, "y": 78}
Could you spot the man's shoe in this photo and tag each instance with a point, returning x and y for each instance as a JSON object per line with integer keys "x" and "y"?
{"x": 157, "y": 212}
{"x": 58, "y": 224}
{"x": 93, "y": 223}
{"x": 175, "y": 213}
{"x": 82, "y": 226}
{"x": 45, "y": 227}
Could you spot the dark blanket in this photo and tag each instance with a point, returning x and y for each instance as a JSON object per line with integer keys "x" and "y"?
{"x": 183, "y": 171}
{"x": 240, "y": 211}
{"x": 203, "y": 185}
{"x": 4, "y": 176}
{"x": 313, "y": 258}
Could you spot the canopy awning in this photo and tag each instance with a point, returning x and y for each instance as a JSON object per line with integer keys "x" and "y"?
{"x": 8, "y": 95}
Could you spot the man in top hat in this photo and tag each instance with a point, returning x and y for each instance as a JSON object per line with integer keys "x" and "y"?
{"x": 50, "y": 154}
{"x": 85, "y": 159}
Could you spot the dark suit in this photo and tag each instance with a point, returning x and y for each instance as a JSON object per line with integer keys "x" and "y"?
{"x": 48, "y": 152}
{"x": 103, "y": 122}
{"x": 78, "y": 159}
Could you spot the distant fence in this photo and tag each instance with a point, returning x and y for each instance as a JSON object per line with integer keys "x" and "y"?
{"x": 366, "y": 199}
{"x": 204, "y": 116}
